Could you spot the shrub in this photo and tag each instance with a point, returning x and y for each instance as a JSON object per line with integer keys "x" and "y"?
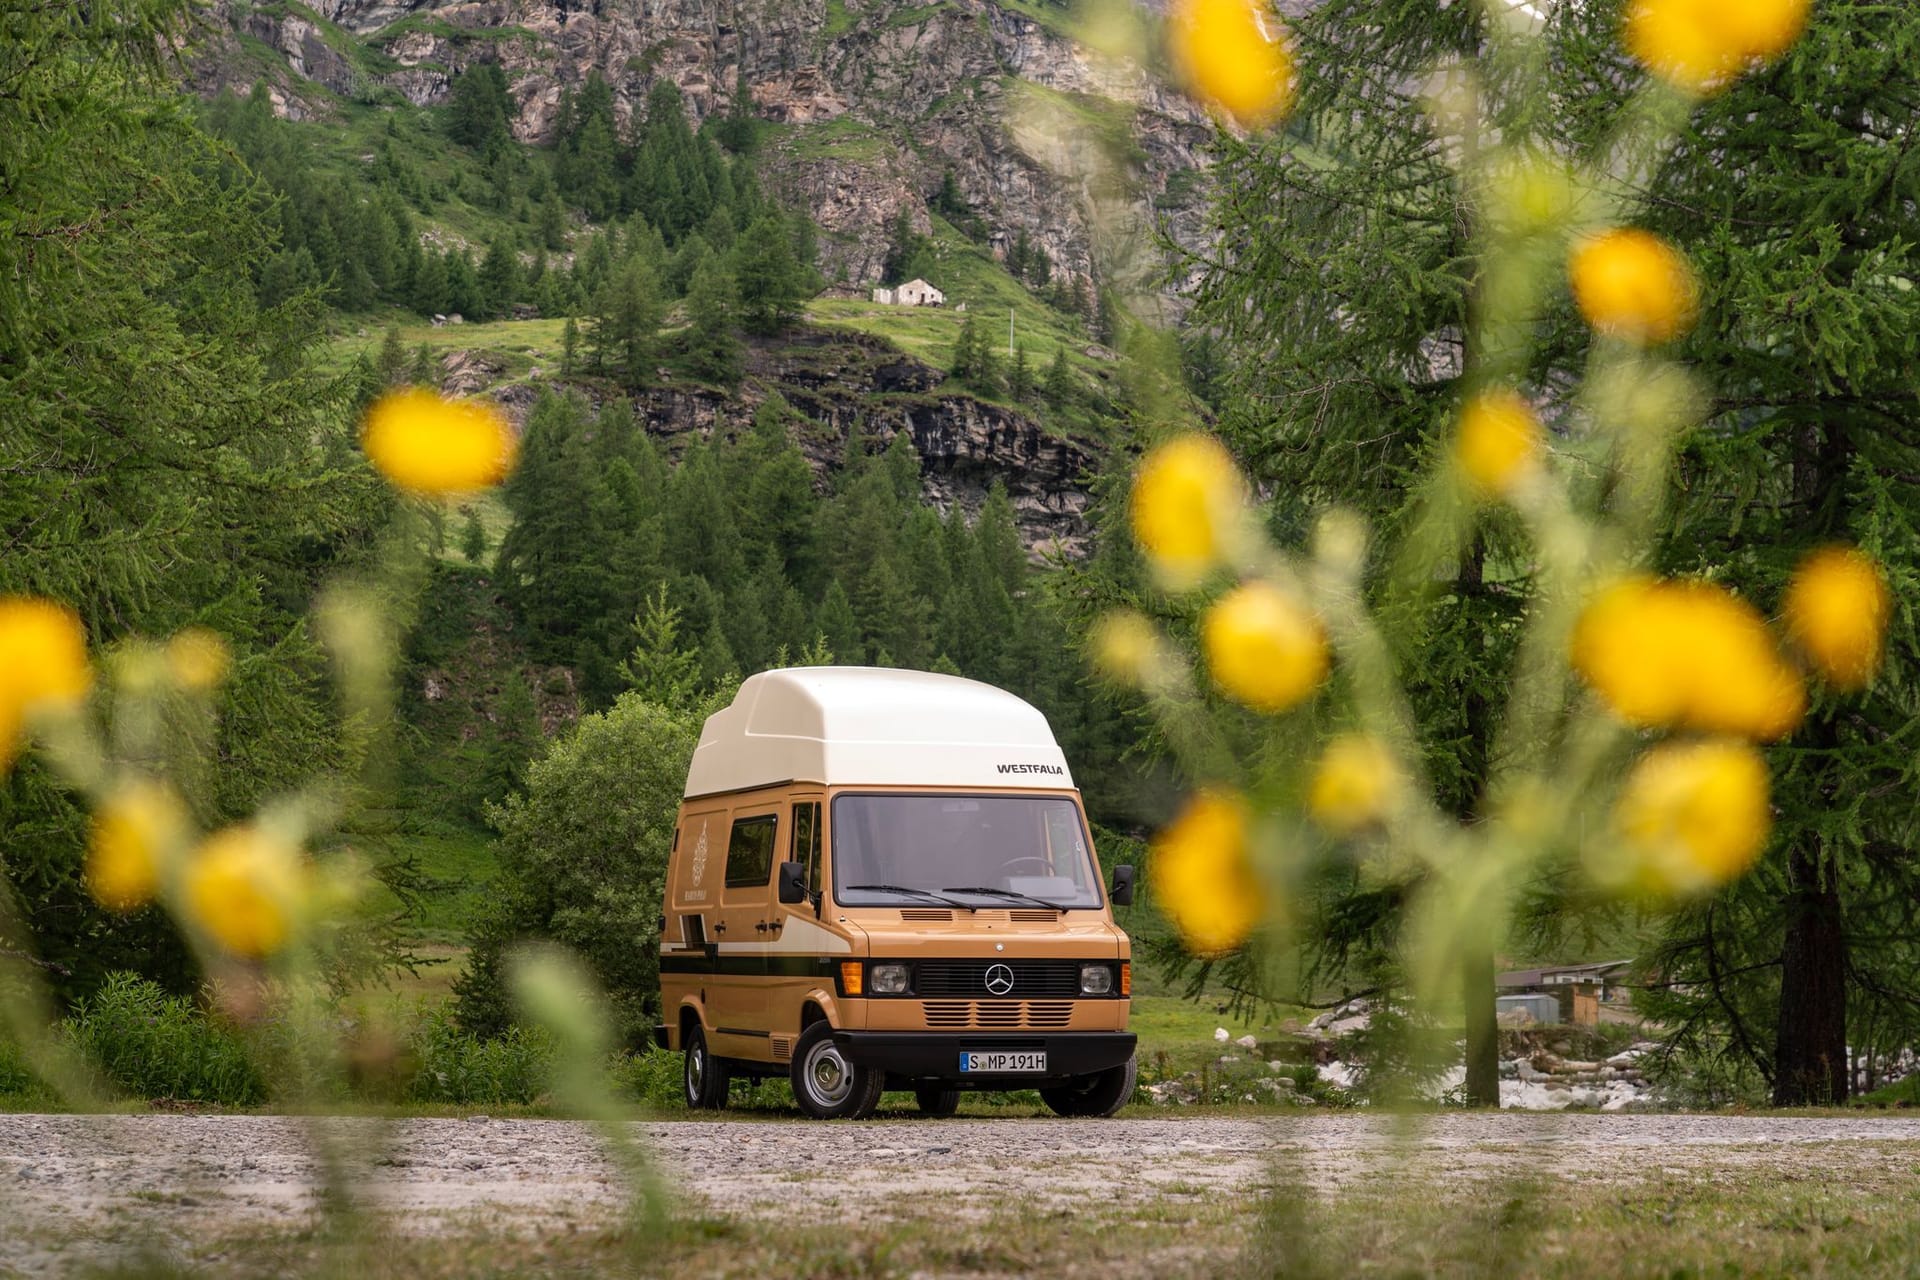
{"x": 155, "y": 1045}
{"x": 454, "y": 1065}
{"x": 583, "y": 857}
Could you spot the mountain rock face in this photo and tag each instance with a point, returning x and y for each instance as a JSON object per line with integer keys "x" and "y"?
{"x": 875, "y": 99}
{"x": 842, "y": 383}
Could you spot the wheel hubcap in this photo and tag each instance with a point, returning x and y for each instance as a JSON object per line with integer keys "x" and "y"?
{"x": 828, "y": 1076}
{"x": 696, "y": 1070}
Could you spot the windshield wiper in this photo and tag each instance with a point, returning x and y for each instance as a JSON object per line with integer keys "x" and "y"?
{"x": 1005, "y": 893}
{"x": 924, "y": 893}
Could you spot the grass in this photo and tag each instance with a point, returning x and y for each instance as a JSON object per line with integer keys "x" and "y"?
{"x": 1702, "y": 1221}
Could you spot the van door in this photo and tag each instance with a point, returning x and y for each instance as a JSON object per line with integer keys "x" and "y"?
{"x": 802, "y": 946}
{"x": 743, "y": 932}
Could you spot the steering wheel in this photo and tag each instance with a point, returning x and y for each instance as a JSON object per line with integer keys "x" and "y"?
{"x": 1006, "y": 868}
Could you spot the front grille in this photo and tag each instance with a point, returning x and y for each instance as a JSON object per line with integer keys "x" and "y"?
{"x": 997, "y": 1015}
{"x": 1031, "y": 978}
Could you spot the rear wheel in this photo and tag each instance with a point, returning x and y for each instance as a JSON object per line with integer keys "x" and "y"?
{"x": 937, "y": 1102}
{"x": 706, "y": 1077}
{"x": 1100, "y": 1094}
{"x": 826, "y": 1085}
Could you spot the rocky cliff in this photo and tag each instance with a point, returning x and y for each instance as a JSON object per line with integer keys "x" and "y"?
{"x": 845, "y": 382}
{"x": 874, "y": 100}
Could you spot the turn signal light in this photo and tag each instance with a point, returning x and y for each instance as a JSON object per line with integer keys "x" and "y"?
{"x": 1126, "y": 978}
{"x": 850, "y": 976}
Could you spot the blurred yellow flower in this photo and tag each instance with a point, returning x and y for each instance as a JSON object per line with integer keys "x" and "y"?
{"x": 43, "y": 662}
{"x": 1532, "y": 193}
{"x": 243, "y": 888}
{"x": 1264, "y": 648}
{"x": 1203, "y": 877}
{"x": 1836, "y": 608}
{"x": 198, "y": 659}
{"x": 430, "y": 445}
{"x": 1353, "y": 785}
{"x": 133, "y": 831}
{"x": 1686, "y": 654}
{"x": 1701, "y": 45}
{"x": 1631, "y": 284}
{"x": 1499, "y": 442}
{"x": 1692, "y": 815}
{"x": 1126, "y": 648}
{"x": 1189, "y": 507}
{"x": 1227, "y": 56}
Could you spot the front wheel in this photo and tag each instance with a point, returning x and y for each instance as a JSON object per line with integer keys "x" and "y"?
{"x": 1100, "y": 1094}
{"x": 706, "y": 1078}
{"x": 826, "y": 1085}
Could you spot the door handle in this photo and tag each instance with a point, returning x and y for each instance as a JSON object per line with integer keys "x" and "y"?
{"x": 720, "y": 928}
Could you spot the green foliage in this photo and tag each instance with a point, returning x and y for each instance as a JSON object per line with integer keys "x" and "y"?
{"x": 583, "y": 854}
{"x": 449, "y": 1064}
{"x": 479, "y": 110}
{"x": 154, "y": 1045}
{"x": 773, "y": 273}
{"x": 179, "y": 458}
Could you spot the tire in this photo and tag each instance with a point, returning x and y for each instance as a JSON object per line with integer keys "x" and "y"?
{"x": 704, "y": 1078}
{"x": 938, "y": 1103}
{"x": 825, "y": 1085}
{"x": 1100, "y": 1094}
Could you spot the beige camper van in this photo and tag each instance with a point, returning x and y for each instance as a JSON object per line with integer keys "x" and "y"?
{"x": 884, "y": 880}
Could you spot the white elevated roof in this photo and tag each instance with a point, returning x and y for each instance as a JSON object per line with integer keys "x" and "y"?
{"x": 874, "y": 725}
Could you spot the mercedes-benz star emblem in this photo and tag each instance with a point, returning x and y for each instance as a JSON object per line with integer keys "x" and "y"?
{"x": 999, "y": 979}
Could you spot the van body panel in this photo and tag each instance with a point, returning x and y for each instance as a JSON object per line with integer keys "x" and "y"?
{"x": 749, "y": 965}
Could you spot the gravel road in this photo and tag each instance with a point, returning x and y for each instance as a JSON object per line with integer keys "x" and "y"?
{"x": 187, "y": 1173}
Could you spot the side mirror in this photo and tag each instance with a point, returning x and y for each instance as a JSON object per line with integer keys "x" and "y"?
{"x": 1123, "y": 885}
{"x": 793, "y": 882}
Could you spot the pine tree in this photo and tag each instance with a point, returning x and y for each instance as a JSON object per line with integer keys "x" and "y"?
{"x": 479, "y": 107}
{"x": 1020, "y": 377}
{"x": 425, "y": 371}
{"x": 772, "y": 281}
{"x": 390, "y": 365}
{"x": 659, "y": 669}
{"x": 473, "y": 539}
{"x": 499, "y": 281}
{"x": 1059, "y": 390}
{"x": 569, "y": 347}
{"x": 625, "y": 323}
{"x": 713, "y": 352}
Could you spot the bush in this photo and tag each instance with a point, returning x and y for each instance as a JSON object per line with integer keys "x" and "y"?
{"x": 453, "y": 1065}
{"x": 154, "y": 1045}
{"x": 583, "y": 859}
{"x": 650, "y": 1077}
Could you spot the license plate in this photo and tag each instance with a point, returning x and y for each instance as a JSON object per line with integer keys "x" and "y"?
{"x": 1003, "y": 1063}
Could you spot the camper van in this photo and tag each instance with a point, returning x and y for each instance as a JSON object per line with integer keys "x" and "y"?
{"x": 884, "y": 880}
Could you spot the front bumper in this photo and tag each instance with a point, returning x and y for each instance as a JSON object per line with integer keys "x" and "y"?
{"x": 935, "y": 1055}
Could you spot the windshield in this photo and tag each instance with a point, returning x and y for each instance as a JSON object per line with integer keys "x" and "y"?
{"x": 978, "y": 851}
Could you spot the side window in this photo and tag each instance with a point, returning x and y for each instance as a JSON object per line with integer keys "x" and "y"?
{"x": 805, "y": 848}
{"x": 750, "y": 852}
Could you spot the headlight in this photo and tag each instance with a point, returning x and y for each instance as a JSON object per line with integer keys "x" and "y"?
{"x": 1095, "y": 979}
{"x": 887, "y": 979}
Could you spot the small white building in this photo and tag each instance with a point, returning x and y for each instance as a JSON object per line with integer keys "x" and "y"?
{"x": 914, "y": 293}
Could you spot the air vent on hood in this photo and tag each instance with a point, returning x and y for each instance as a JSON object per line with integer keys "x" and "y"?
{"x": 1033, "y": 917}
{"x": 925, "y": 913}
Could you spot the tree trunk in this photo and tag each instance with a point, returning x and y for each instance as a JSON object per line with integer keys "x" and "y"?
{"x": 1810, "y": 1054}
{"x": 1483, "y": 1030}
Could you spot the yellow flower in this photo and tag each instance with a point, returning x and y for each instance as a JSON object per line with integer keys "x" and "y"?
{"x": 427, "y": 444}
{"x": 1693, "y": 815}
{"x": 1126, "y": 648}
{"x": 1836, "y": 607}
{"x": 43, "y": 663}
{"x": 1686, "y": 654}
{"x": 1188, "y": 507}
{"x": 1265, "y": 648}
{"x": 1227, "y": 57}
{"x": 243, "y": 888}
{"x": 198, "y": 659}
{"x": 1203, "y": 876}
{"x": 1354, "y": 784}
{"x": 133, "y": 832}
{"x": 1631, "y": 284}
{"x": 1701, "y": 45}
{"x": 1499, "y": 442}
